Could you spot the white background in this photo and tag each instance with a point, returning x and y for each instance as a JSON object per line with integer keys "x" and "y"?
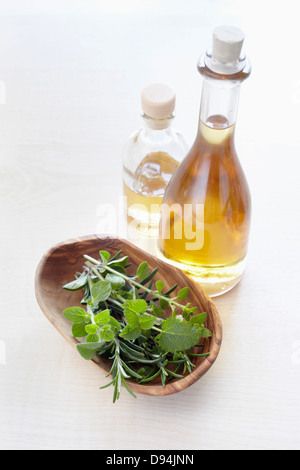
{"x": 73, "y": 72}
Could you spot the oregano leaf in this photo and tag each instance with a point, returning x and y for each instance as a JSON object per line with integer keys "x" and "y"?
{"x": 78, "y": 284}
{"x": 143, "y": 270}
{"x": 159, "y": 286}
{"x": 163, "y": 304}
{"x": 106, "y": 333}
{"x": 75, "y": 314}
{"x": 104, "y": 256}
{"x": 205, "y": 333}
{"x": 93, "y": 338}
{"x": 116, "y": 282}
{"x": 102, "y": 318}
{"x": 78, "y": 330}
{"x": 183, "y": 293}
{"x": 88, "y": 350}
{"x": 91, "y": 329}
{"x": 101, "y": 291}
{"x": 200, "y": 319}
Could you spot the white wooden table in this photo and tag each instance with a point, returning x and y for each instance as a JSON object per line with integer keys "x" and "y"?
{"x": 71, "y": 74}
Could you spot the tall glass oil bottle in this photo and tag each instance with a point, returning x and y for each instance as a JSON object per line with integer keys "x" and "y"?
{"x": 206, "y": 213}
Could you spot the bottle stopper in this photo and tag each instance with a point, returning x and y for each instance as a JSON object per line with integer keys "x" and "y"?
{"x": 158, "y": 101}
{"x": 227, "y": 44}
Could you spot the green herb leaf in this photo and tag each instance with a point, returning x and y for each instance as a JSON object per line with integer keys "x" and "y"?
{"x": 118, "y": 262}
{"x": 78, "y": 284}
{"x": 75, "y": 314}
{"x": 200, "y": 319}
{"x": 88, "y": 350}
{"x": 93, "y": 338}
{"x": 91, "y": 329}
{"x": 102, "y": 318}
{"x": 163, "y": 304}
{"x": 115, "y": 325}
{"x": 117, "y": 282}
{"x": 183, "y": 293}
{"x": 104, "y": 256}
{"x": 157, "y": 311}
{"x": 177, "y": 335}
{"x": 205, "y": 333}
{"x": 78, "y": 330}
{"x": 146, "y": 321}
{"x": 137, "y": 306}
{"x": 143, "y": 270}
{"x": 159, "y": 286}
{"x": 188, "y": 312}
{"x": 130, "y": 333}
{"x": 106, "y": 333}
{"x": 101, "y": 291}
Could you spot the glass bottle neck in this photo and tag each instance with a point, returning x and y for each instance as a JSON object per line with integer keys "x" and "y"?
{"x": 157, "y": 131}
{"x": 151, "y": 124}
{"x": 219, "y": 103}
{"x": 221, "y": 91}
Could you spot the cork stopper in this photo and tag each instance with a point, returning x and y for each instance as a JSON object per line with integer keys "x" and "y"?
{"x": 158, "y": 101}
{"x": 227, "y": 44}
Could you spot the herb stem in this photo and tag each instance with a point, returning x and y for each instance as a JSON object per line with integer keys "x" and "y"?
{"x": 132, "y": 282}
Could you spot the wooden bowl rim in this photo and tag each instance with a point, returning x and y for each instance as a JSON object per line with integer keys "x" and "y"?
{"x": 147, "y": 389}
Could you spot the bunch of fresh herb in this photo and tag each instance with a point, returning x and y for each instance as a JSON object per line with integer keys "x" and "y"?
{"x": 124, "y": 320}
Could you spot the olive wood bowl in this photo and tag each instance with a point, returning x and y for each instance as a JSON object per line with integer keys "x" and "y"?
{"x": 58, "y": 266}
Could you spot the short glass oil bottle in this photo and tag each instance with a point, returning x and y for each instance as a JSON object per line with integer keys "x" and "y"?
{"x": 150, "y": 158}
{"x": 206, "y": 213}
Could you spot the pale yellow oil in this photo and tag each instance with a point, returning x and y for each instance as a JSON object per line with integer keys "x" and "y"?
{"x": 145, "y": 191}
{"x": 212, "y": 178}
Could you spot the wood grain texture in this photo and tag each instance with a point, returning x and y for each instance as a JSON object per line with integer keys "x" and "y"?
{"x": 58, "y": 267}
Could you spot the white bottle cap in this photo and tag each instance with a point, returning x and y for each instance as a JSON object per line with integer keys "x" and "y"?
{"x": 227, "y": 44}
{"x": 158, "y": 101}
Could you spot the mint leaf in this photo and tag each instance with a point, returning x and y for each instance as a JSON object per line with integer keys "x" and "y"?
{"x": 88, "y": 350}
{"x": 101, "y": 291}
{"x": 183, "y": 293}
{"x": 132, "y": 310}
{"x": 177, "y": 335}
{"x": 75, "y": 314}
{"x": 146, "y": 321}
{"x": 143, "y": 270}
{"x": 136, "y": 306}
